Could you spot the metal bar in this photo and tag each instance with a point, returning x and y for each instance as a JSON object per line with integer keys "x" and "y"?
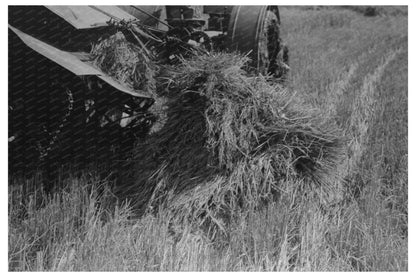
{"x": 152, "y": 16}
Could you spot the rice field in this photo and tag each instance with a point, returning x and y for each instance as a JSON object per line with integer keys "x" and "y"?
{"x": 351, "y": 70}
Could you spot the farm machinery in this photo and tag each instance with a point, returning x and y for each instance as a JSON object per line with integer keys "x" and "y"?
{"x": 63, "y": 108}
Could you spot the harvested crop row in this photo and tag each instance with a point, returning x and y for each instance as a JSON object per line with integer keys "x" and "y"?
{"x": 229, "y": 142}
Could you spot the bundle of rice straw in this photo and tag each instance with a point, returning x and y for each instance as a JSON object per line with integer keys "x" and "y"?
{"x": 229, "y": 142}
{"x": 127, "y": 62}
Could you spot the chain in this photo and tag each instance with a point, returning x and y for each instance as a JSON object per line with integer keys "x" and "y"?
{"x": 55, "y": 134}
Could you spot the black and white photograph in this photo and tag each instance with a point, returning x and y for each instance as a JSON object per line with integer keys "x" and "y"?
{"x": 207, "y": 138}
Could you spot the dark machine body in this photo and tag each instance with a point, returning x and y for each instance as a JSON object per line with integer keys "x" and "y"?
{"x": 63, "y": 111}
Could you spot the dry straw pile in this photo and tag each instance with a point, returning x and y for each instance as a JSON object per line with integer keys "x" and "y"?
{"x": 229, "y": 142}
{"x": 125, "y": 61}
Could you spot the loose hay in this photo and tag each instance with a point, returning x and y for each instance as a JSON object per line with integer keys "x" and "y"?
{"x": 127, "y": 62}
{"x": 230, "y": 141}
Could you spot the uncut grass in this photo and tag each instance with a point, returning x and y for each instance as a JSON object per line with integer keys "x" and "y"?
{"x": 104, "y": 238}
{"x": 360, "y": 79}
{"x": 326, "y": 44}
{"x": 73, "y": 231}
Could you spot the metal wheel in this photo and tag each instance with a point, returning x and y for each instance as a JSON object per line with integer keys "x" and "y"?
{"x": 255, "y": 30}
